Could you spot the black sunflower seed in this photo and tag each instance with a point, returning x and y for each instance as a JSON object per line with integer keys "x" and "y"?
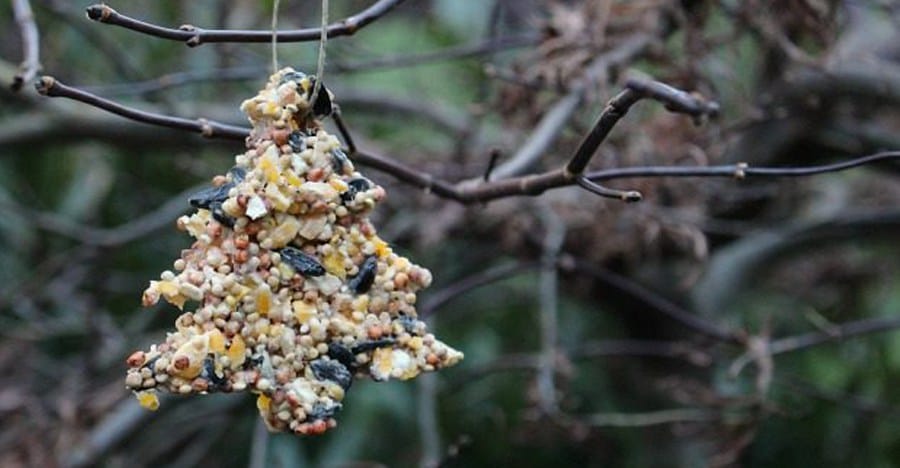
{"x": 366, "y": 276}
{"x": 339, "y": 160}
{"x": 341, "y": 354}
{"x": 237, "y": 174}
{"x": 322, "y": 410}
{"x": 209, "y": 373}
{"x": 333, "y": 370}
{"x": 360, "y": 184}
{"x": 297, "y": 140}
{"x": 219, "y": 214}
{"x": 210, "y": 195}
{"x": 322, "y": 107}
{"x": 303, "y": 263}
{"x": 370, "y": 345}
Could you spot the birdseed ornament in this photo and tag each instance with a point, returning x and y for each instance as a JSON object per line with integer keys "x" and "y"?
{"x": 294, "y": 292}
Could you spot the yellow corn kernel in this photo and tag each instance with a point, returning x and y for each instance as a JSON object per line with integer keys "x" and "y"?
{"x": 303, "y": 311}
{"x": 381, "y": 247}
{"x": 236, "y": 352}
{"x": 262, "y": 403}
{"x": 338, "y": 185}
{"x": 216, "y": 341}
{"x": 263, "y": 301}
{"x": 334, "y": 264}
{"x": 148, "y": 400}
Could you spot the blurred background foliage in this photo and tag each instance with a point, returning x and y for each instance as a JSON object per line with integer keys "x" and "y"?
{"x": 88, "y": 203}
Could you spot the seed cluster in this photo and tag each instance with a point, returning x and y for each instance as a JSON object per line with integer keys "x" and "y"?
{"x": 294, "y": 292}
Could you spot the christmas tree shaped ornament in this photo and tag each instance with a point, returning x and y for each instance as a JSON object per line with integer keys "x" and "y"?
{"x": 292, "y": 293}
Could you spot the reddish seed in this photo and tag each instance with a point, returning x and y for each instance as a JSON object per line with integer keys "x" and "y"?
{"x": 280, "y": 136}
{"x": 182, "y": 362}
{"x": 432, "y": 359}
{"x": 374, "y": 332}
{"x": 400, "y": 280}
{"x": 241, "y": 256}
{"x": 241, "y": 242}
{"x": 318, "y": 427}
{"x": 315, "y": 174}
{"x": 136, "y": 359}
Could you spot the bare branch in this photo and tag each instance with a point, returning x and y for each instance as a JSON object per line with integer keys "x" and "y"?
{"x": 475, "y": 190}
{"x": 194, "y": 36}
{"x": 838, "y": 333}
{"x": 483, "y": 277}
{"x": 675, "y": 100}
{"x": 556, "y": 117}
{"x": 51, "y": 87}
{"x": 30, "y": 44}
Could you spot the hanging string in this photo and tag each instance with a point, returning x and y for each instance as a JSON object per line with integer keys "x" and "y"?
{"x": 275, "y": 36}
{"x": 320, "y": 68}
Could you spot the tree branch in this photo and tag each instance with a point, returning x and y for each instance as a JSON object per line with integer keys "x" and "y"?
{"x": 478, "y": 190}
{"x": 30, "y": 44}
{"x": 49, "y": 86}
{"x": 838, "y": 333}
{"x": 194, "y": 36}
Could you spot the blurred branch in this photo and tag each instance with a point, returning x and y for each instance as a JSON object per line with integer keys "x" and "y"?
{"x": 116, "y": 426}
{"x": 655, "y": 301}
{"x": 427, "y": 419}
{"x": 115, "y": 54}
{"x": 735, "y": 266}
{"x": 243, "y": 73}
{"x": 548, "y": 300}
{"x": 439, "y": 298}
{"x": 837, "y": 333}
{"x": 532, "y": 362}
{"x": 107, "y": 237}
{"x": 30, "y": 44}
{"x": 449, "y": 53}
{"x": 194, "y": 36}
{"x": 651, "y": 418}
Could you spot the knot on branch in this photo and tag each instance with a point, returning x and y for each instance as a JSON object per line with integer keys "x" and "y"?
{"x": 44, "y": 84}
{"x": 99, "y": 13}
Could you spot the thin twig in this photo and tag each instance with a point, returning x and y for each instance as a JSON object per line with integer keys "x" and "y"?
{"x": 30, "y": 44}
{"x": 49, "y": 86}
{"x": 674, "y": 100}
{"x": 194, "y": 36}
{"x": 342, "y": 127}
{"x": 554, "y": 120}
{"x": 838, "y": 333}
{"x": 438, "y": 299}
